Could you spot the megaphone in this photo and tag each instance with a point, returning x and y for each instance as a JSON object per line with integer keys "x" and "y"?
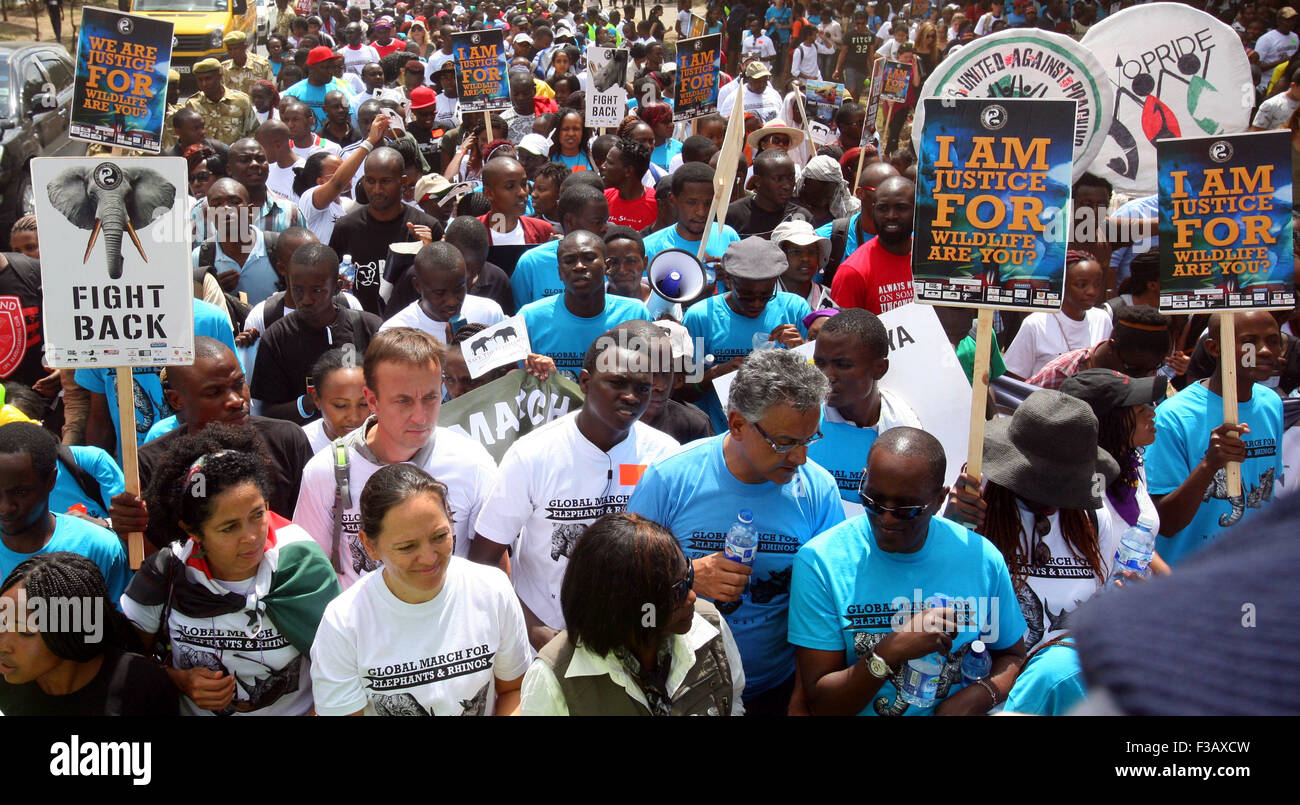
{"x": 676, "y": 278}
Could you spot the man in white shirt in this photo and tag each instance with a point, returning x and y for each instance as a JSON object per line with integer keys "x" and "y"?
{"x": 985, "y": 24}
{"x": 561, "y": 477}
{"x": 403, "y": 370}
{"x": 356, "y": 53}
{"x": 280, "y": 158}
{"x": 1277, "y": 45}
{"x": 812, "y": 45}
{"x": 439, "y": 57}
{"x": 757, "y": 45}
{"x": 1276, "y": 111}
{"x": 440, "y": 279}
{"x": 758, "y": 96}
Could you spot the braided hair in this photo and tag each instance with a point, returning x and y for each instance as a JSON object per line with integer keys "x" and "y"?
{"x": 221, "y": 456}
{"x": 1004, "y": 528}
{"x": 1115, "y": 436}
{"x": 65, "y": 577}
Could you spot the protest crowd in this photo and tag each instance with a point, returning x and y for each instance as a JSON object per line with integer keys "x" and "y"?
{"x": 708, "y": 502}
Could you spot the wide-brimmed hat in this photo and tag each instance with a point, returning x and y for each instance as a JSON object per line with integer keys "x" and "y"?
{"x": 801, "y": 233}
{"x": 1047, "y": 453}
{"x": 776, "y": 126}
{"x": 1105, "y": 389}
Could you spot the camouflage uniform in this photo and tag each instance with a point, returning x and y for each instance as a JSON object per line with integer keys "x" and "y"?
{"x": 256, "y": 68}
{"x": 228, "y": 119}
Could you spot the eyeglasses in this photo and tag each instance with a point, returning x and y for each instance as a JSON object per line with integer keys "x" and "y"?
{"x": 900, "y": 512}
{"x": 779, "y": 140}
{"x": 785, "y": 448}
{"x": 201, "y": 176}
{"x": 682, "y": 588}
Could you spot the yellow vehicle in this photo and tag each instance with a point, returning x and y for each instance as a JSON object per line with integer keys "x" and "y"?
{"x": 200, "y": 26}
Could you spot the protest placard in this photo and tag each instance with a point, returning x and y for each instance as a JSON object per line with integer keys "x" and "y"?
{"x": 607, "y": 100}
{"x": 823, "y": 99}
{"x": 120, "y": 91}
{"x": 1027, "y": 63}
{"x": 873, "y": 100}
{"x": 481, "y": 83}
{"x": 1175, "y": 71}
{"x": 895, "y": 77}
{"x": 497, "y": 414}
{"x": 993, "y": 191}
{"x": 503, "y": 343}
{"x": 699, "y": 66}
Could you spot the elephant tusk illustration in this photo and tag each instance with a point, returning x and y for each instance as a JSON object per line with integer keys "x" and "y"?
{"x": 130, "y": 230}
{"x": 94, "y": 234}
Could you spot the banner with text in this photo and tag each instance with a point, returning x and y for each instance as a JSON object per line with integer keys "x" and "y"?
{"x": 481, "y": 71}
{"x": 115, "y": 267}
{"x": 992, "y": 202}
{"x": 895, "y": 79}
{"x": 497, "y": 414}
{"x": 607, "y": 100}
{"x": 699, "y": 66}
{"x": 1225, "y": 223}
{"x": 119, "y": 96}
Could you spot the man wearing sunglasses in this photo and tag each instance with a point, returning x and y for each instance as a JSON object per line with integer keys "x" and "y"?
{"x": 1138, "y": 346}
{"x": 759, "y": 462}
{"x": 858, "y": 601}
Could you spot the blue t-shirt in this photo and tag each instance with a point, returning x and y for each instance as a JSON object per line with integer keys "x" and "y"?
{"x": 842, "y": 450}
{"x": 726, "y": 334}
{"x": 696, "y": 497}
{"x": 581, "y": 162}
{"x": 668, "y": 238}
{"x": 782, "y": 16}
{"x": 846, "y": 593}
{"x": 150, "y": 406}
{"x": 1121, "y": 259}
{"x": 851, "y": 242}
{"x": 314, "y": 97}
{"x": 1183, "y": 425}
{"x": 162, "y": 427}
{"x": 257, "y": 276}
{"x": 67, "y": 492}
{"x": 537, "y": 274}
{"x": 79, "y": 536}
{"x": 1051, "y": 684}
{"x": 564, "y": 338}
{"x": 663, "y": 154}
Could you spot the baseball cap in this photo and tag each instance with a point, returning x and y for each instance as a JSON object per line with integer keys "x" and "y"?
{"x": 534, "y": 143}
{"x": 525, "y": 38}
{"x": 1105, "y": 389}
{"x": 319, "y": 54}
{"x": 1286, "y": 13}
{"x": 423, "y": 98}
{"x": 384, "y": 22}
{"x": 756, "y": 69}
{"x": 754, "y": 258}
{"x": 209, "y": 66}
{"x": 438, "y": 187}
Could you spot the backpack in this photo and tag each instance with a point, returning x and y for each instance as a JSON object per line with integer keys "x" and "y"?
{"x": 342, "y": 501}
{"x": 273, "y": 307}
{"x": 839, "y": 242}
{"x": 206, "y": 265}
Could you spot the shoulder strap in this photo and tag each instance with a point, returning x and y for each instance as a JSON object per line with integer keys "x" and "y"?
{"x": 89, "y": 484}
{"x": 342, "y": 501}
{"x": 839, "y": 242}
{"x": 207, "y": 254}
{"x": 116, "y": 685}
{"x": 273, "y": 310}
{"x": 269, "y": 240}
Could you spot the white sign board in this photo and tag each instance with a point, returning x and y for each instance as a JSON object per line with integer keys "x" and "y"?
{"x": 924, "y": 371}
{"x": 606, "y": 96}
{"x": 115, "y": 261}
{"x": 498, "y": 345}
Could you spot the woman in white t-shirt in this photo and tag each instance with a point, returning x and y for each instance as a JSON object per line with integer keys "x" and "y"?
{"x": 238, "y": 595}
{"x": 324, "y": 179}
{"x": 337, "y": 383}
{"x": 1080, "y": 323}
{"x": 428, "y": 633}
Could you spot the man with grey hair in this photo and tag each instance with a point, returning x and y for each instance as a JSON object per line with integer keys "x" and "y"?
{"x": 757, "y": 471}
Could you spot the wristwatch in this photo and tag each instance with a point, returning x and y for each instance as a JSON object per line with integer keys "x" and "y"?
{"x": 878, "y": 667}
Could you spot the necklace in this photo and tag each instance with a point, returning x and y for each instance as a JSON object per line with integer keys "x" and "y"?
{"x": 1056, "y": 317}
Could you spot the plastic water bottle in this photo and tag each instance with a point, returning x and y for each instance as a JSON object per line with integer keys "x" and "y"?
{"x": 740, "y": 545}
{"x": 1136, "y": 547}
{"x": 977, "y": 663}
{"x": 1166, "y": 371}
{"x": 921, "y": 676}
{"x": 348, "y": 269}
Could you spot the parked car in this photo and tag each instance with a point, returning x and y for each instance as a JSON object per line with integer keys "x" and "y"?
{"x": 35, "y": 102}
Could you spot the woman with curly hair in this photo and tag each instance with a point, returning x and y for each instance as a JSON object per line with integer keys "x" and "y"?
{"x": 237, "y": 595}
{"x": 89, "y": 666}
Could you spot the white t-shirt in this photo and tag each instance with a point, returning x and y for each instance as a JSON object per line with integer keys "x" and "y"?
{"x": 1146, "y": 509}
{"x": 1056, "y": 589}
{"x": 475, "y": 310}
{"x": 456, "y": 460}
{"x": 684, "y": 23}
{"x": 320, "y": 222}
{"x": 1275, "y": 112}
{"x": 514, "y": 237}
{"x": 376, "y": 652}
{"x": 1275, "y": 46}
{"x": 759, "y": 47}
{"x": 262, "y": 660}
{"x": 318, "y": 143}
{"x": 356, "y": 58}
{"x": 553, "y": 484}
{"x": 767, "y": 105}
{"x": 1044, "y": 336}
{"x": 316, "y": 436}
{"x": 281, "y": 179}
{"x": 890, "y": 49}
{"x": 436, "y": 60}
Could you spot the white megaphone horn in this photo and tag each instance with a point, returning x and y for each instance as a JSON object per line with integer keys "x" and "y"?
{"x": 676, "y": 278}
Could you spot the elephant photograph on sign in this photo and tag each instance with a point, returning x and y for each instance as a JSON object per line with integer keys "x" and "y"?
{"x": 109, "y": 199}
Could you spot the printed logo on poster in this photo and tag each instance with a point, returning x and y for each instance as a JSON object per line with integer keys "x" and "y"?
{"x": 116, "y": 246}
{"x": 992, "y": 202}
{"x": 1225, "y": 222}
{"x": 120, "y": 89}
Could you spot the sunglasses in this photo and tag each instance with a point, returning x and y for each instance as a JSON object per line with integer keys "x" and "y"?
{"x": 785, "y": 448}
{"x": 899, "y": 512}
{"x": 683, "y": 588}
{"x": 201, "y": 176}
{"x": 778, "y": 140}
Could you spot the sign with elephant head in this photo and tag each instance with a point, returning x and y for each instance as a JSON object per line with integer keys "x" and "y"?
{"x": 115, "y": 267}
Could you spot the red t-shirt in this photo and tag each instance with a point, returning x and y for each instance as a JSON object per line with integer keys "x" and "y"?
{"x": 391, "y": 47}
{"x": 637, "y": 213}
{"x": 873, "y": 279}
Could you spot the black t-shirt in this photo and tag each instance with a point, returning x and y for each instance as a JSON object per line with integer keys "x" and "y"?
{"x": 291, "y": 347}
{"x": 367, "y": 241}
{"x": 352, "y": 136}
{"x": 683, "y": 422}
{"x": 127, "y": 685}
{"x": 492, "y": 283}
{"x": 22, "y": 340}
{"x": 747, "y": 218}
{"x": 860, "y": 47}
{"x": 286, "y": 444}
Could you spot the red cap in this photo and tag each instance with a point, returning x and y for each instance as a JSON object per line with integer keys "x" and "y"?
{"x": 422, "y": 98}
{"x": 319, "y": 54}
